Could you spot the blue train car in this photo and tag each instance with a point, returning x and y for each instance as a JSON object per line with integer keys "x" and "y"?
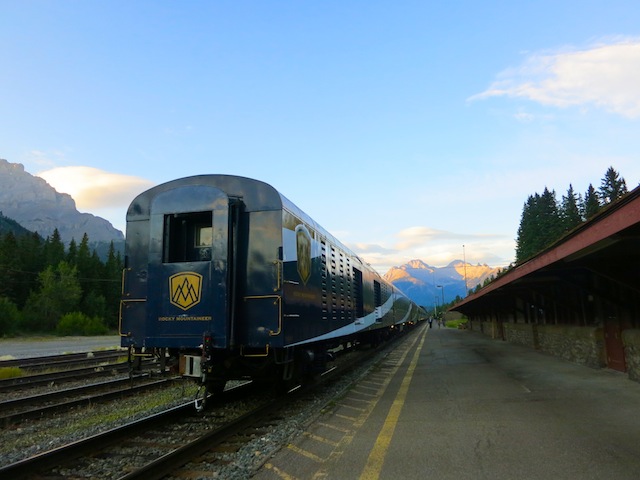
{"x": 228, "y": 276}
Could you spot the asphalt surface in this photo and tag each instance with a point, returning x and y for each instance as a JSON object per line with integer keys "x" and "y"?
{"x": 452, "y": 404}
{"x": 43, "y": 346}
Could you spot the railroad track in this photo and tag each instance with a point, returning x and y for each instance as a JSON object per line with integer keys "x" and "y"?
{"x": 138, "y": 431}
{"x": 178, "y": 441}
{"x": 30, "y": 381}
{"x": 37, "y": 406}
{"x": 102, "y": 369}
{"x": 155, "y": 446}
{"x": 58, "y": 361}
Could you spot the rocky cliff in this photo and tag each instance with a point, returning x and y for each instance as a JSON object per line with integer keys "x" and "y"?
{"x": 426, "y": 285}
{"x": 37, "y": 206}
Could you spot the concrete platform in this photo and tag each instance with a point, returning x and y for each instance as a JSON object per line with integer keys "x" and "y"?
{"x": 452, "y": 404}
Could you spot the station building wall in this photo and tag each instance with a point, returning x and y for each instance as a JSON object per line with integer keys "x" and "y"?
{"x": 577, "y": 344}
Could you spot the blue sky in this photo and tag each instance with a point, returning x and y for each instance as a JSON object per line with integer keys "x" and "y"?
{"x": 407, "y": 128}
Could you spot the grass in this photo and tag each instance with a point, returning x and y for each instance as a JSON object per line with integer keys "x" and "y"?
{"x": 455, "y": 323}
{"x": 103, "y": 415}
{"x": 10, "y": 372}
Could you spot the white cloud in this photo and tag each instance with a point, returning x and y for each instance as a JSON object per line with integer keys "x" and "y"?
{"x": 94, "y": 188}
{"x": 605, "y": 76}
{"x": 102, "y": 193}
{"x": 437, "y": 248}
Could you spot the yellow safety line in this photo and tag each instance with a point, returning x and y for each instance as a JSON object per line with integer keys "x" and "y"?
{"x": 373, "y": 467}
{"x": 358, "y": 422}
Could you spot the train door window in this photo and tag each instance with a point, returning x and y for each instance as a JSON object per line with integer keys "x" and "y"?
{"x": 188, "y": 237}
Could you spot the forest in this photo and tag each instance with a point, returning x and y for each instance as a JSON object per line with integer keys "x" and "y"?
{"x": 49, "y": 288}
{"x": 545, "y": 219}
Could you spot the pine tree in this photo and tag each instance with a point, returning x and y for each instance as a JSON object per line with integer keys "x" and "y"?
{"x": 33, "y": 259}
{"x": 91, "y": 274}
{"x": 591, "y": 204}
{"x": 570, "y": 210}
{"x": 9, "y": 266}
{"x": 112, "y": 288}
{"x": 72, "y": 252}
{"x": 54, "y": 249}
{"x": 540, "y": 225}
{"x": 613, "y": 186}
{"x": 551, "y": 223}
{"x": 527, "y": 228}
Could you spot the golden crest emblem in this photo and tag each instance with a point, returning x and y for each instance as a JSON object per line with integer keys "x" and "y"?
{"x": 303, "y": 250}
{"x": 185, "y": 289}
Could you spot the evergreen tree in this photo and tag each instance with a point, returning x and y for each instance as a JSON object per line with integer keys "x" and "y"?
{"x": 72, "y": 252}
{"x": 591, "y": 204}
{"x": 54, "y": 249}
{"x": 550, "y": 221}
{"x": 94, "y": 305}
{"x": 9, "y": 316}
{"x": 59, "y": 293}
{"x": 570, "y": 210}
{"x": 83, "y": 256}
{"x": 112, "y": 286}
{"x": 526, "y": 229}
{"x": 21, "y": 259}
{"x": 540, "y": 225}
{"x": 91, "y": 276}
{"x": 613, "y": 186}
{"x": 9, "y": 266}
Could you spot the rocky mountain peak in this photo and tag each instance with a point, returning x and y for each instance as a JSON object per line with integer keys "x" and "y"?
{"x": 37, "y": 206}
{"x": 416, "y": 264}
{"x": 426, "y": 285}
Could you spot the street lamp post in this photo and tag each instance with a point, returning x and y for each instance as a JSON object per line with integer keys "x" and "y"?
{"x": 441, "y": 287}
{"x": 464, "y": 263}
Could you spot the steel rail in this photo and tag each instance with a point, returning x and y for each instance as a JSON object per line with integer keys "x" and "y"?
{"x": 172, "y": 460}
{"x": 57, "y": 360}
{"x": 29, "y": 467}
{"x": 32, "y": 465}
{"x": 95, "y": 398}
{"x": 175, "y": 459}
{"x": 28, "y": 381}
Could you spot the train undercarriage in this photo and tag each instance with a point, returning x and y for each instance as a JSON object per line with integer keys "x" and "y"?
{"x": 282, "y": 369}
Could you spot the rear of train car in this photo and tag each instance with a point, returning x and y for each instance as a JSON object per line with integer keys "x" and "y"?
{"x": 229, "y": 279}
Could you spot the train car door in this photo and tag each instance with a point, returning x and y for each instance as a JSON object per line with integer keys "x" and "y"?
{"x": 189, "y": 267}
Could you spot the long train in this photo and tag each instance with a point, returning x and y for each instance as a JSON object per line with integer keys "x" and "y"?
{"x": 228, "y": 279}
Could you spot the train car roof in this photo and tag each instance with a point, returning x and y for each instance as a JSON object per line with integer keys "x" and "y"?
{"x": 256, "y": 196}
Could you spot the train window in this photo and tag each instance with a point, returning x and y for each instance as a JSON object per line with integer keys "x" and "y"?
{"x": 204, "y": 235}
{"x": 188, "y": 237}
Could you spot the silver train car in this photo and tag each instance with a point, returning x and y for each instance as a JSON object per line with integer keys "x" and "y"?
{"x": 228, "y": 279}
